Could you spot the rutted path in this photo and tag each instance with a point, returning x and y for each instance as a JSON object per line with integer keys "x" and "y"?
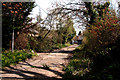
{"x": 34, "y": 69}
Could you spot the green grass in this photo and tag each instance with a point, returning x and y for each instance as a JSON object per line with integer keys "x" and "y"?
{"x": 57, "y": 46}
{"x": 9, "y": 57}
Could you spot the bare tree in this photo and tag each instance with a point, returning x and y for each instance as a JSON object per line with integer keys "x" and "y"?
{"x": 83, "y": 13}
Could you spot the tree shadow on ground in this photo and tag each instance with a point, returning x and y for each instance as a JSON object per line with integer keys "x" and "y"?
{"x": 56, "y": 72}
{"x": 62, "y": 51}
{"x": 26, "y": 75}
{"x": 35, "y": 75}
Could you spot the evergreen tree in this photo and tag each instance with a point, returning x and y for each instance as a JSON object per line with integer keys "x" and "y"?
{"x": 14, "y": 16}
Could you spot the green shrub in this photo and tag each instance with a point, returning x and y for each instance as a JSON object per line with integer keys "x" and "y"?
{"x": 45, "y": 45}
{"x": 78, "y": 65}
{"x": 9, "y": 57}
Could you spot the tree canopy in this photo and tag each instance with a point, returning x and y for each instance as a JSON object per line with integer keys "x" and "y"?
{"x": 14, "y": 16}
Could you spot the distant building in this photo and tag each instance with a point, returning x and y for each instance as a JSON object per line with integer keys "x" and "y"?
{"x": 32, "y": 32}
{"x": 77, "y": 39}
{"x": 74, "y": 40}
{"x": 119, "y": 4}
{"x": 119, "y": 9}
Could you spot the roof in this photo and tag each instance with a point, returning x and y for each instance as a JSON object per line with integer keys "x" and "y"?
{"x": 77, "y": 38}
{"x": 33, "y": 31}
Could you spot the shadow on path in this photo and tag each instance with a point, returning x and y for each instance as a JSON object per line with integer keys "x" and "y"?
{"x": 62, "y": 51}
{"x": 35, "y": 76}
{"x": 25, "y": 74}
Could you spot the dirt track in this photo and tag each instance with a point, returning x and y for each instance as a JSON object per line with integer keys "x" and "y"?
{"x": 34, "y": 69}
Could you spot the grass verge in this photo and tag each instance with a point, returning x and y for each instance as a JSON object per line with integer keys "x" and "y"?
{"x": 57, "y": 46}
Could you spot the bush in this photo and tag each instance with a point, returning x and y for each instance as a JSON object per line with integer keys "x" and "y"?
{"x": 102, "y": 33}
{"x": 76, "y": 68}
{"x": 21, "y": 41}
{"x": 9, "y": 57}
{"x": 45, "y": 45}
{"x": 78, "y": 65}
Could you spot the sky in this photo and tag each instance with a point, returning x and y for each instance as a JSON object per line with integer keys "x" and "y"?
{"x": 44, "y": 5}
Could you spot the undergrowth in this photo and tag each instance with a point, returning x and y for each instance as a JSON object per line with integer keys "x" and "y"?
{"x": 9, "y": 57}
